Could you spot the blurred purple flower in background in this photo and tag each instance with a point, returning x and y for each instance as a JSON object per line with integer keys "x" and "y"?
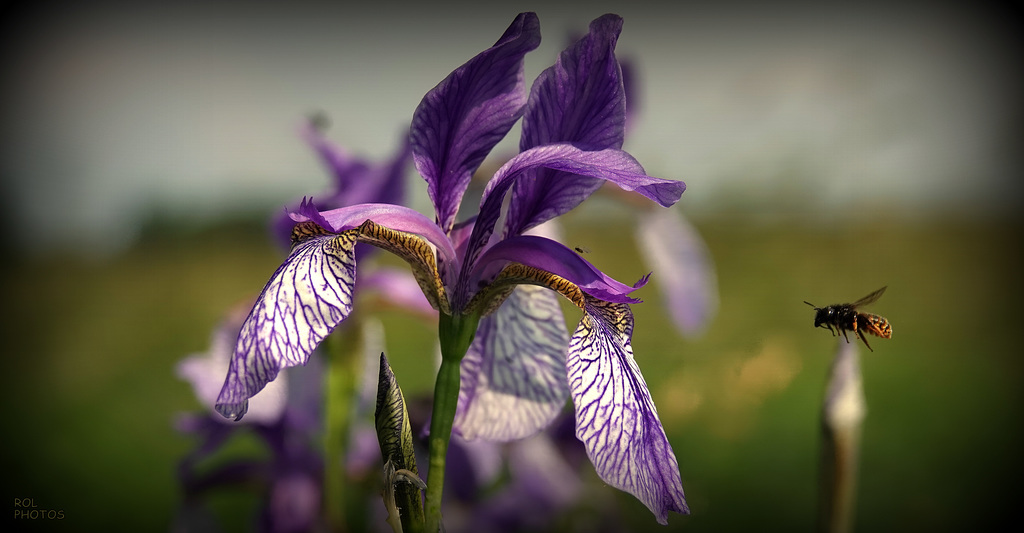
{"x": 286, "y": 420}
{"x": 288, "y": 415}
{"x": 673, "y": 248}
{"x": 354, "y": 180}
{"x": 532, "y": 484}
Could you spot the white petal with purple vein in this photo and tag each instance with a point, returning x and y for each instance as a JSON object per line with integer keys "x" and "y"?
{"x": 304, "y": 300}
{"x": 513, "y": 377}
{"x": 615, "y": 416}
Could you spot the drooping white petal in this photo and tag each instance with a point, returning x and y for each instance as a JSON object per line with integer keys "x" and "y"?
{"x": 304, "y": 300}
{"x": 513, "y": 381}
{"x": 615, "y": 416}
{"x": 206, "y": 373}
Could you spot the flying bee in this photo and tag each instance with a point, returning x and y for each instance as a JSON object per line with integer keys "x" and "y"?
{"x": 582, "y": 250}
{"x": 845, "y": 317}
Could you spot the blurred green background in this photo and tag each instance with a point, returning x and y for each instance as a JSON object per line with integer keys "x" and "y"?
{"x": 92, "y": 343}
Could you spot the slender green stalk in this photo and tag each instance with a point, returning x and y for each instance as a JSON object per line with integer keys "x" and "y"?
{"x": 456, "y": 333}
{"x": 342, "y": 347}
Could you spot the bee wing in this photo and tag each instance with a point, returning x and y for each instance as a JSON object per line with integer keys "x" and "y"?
{"x": 869, "y": 298}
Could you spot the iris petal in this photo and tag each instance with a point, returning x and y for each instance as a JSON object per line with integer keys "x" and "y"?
{"x": 206, "y": 373}
{"x": 460, "y": 120}
{"x": 579, "y": 100}
{"x": 552, "y": 257}
{"x": 341, "y": 166}
{"x": 513, "y": 377}
{"x": 611, "y": 165}
{"x": 396, "y": 217}
{"x": 682, "y": 267}
{"x": 615, "y": 416}
{"x": 304, "y": 300}
{"x": 397, "y": 287}
{"x": 356, "y": 180}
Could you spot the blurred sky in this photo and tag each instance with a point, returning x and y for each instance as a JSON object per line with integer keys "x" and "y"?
{"x": 114, "y": 110}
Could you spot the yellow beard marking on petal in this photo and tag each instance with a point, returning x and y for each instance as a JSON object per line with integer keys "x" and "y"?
{"x": 304, "y": 231}
{"x": 416, "y": 251}
{"x": 488, "y": 299}
{"x": 614, "y": 313}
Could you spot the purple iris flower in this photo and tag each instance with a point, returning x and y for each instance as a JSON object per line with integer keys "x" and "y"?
{"x": 521, "y": 364}
{"x": 285, "y": 420}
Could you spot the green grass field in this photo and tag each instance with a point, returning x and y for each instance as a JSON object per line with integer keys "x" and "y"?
{"x": 91, "y": 394}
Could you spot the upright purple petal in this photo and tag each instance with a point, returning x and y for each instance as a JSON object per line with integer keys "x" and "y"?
{"x": 513, "y": 377}
{"x": 682, "y": 267}
{"x": 580, "y": 100}
{"x": 357, "y": 181}
{"x": 339, "y": 165}
{"x": 463, "y": 117}
{"x": 304, "y": 300}
{"x": 389, "y": 183}
{"x": 611, "y": 165}
{"x": 630, "y": 86}
{"x": 615, "y": 416}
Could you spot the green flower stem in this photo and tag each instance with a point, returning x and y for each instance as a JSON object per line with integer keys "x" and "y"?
{"x": 456, "y": 333}
{"x": 342, "y": 347}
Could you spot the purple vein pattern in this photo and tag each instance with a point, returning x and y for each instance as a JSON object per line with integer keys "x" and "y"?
{"x": 579, "y": 100}
{"x": 615, "y": 416}
{"x": 520, "y": 387}
{"x": 304, "y": 300}
{"x": 463, "y": 117}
